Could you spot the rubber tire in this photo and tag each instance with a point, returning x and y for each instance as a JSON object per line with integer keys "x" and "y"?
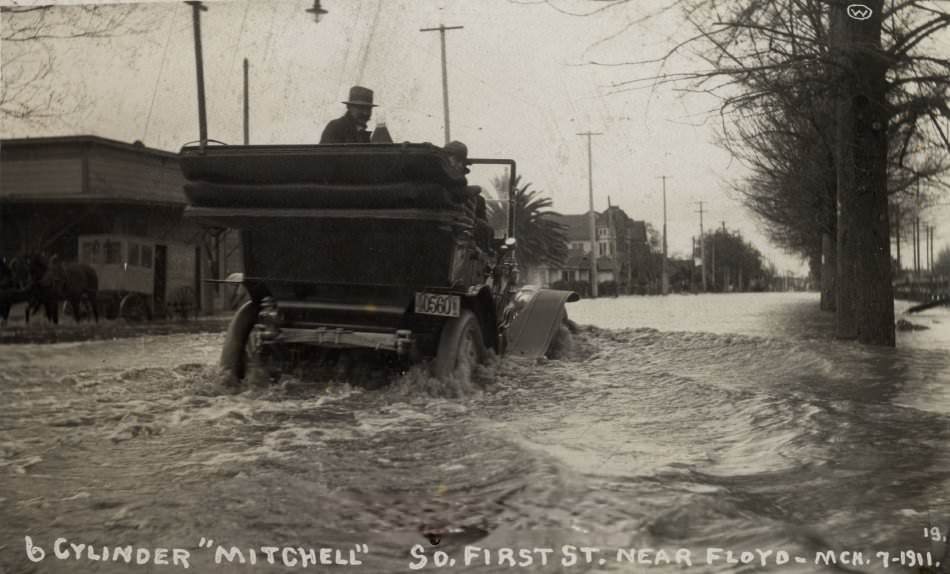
{"x": 233, "y": 357}
{"x": 457, "y": 333}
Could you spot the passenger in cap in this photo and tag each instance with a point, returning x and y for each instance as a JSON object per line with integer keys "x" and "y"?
{"x": 458, "y": 155}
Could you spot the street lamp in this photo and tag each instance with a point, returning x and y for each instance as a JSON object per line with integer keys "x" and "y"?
{"x": 317, "y": 11}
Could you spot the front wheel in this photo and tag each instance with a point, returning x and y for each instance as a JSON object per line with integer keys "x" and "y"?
{"x": 461, "y": 347}
{"x": 563, "y": 340}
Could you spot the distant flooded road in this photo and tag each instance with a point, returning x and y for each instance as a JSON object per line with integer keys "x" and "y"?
{"x": 684, "y": 427}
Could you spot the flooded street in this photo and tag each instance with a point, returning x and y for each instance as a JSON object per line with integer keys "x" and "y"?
{"x": 690, "y": 424}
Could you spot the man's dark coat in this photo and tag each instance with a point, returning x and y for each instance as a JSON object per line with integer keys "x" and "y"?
{"x": 344, "y": 130}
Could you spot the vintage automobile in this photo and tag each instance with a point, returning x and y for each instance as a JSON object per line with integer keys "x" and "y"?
{"x": 367, "y": 246}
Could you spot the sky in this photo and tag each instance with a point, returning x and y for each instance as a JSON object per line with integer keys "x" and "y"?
{"x": 521, "y": 86}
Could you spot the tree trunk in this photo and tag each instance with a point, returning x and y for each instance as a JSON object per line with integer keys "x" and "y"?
{"x": 865, "y": 293}
{"x": 829, "y": 271}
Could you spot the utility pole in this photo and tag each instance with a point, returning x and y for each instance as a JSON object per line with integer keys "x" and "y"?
{"x": 247, "y": 107}
{"x": 692, "y": 259}
{"x": 725, "y": 270}
{"x": 917, "y": 231}
{"x": 897, "y": 208}
{"x": 612, "y": 247}
{"x": 593, "y": 214}
{"x": 196, "y": 9}
{"x": 665, "y": 276}
{"x": 712, "y": 266}
{"x": 702, "y": 245}
{"x": 933, "y": 231}
{"x": 930, "y": 248}
{"x": 925, "y": 265}
{"x": 212, "y": 265}
{"x": 445, "y": 79}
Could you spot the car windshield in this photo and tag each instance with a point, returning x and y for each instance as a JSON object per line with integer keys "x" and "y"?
{"x": 494, "y": 181}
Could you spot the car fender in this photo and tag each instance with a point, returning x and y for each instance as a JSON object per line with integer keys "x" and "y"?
{"x": 533, "y": 318}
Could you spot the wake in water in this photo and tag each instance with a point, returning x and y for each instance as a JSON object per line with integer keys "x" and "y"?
{"x": 626, "y": 437}
{"x": 370, "y": 371}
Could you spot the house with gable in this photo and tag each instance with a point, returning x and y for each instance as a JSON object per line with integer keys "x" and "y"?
{"x": 618, "y": 239}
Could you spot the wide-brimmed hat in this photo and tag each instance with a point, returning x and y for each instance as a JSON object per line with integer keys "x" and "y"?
{"x": 360, "y": 96}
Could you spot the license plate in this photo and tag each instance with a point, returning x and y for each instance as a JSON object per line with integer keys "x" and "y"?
{"x": 435, "y": 304}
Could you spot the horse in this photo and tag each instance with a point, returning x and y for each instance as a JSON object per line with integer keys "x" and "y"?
{"x": 80, "y": 280}
{"x": 70, "y": 281}
{"x": 8, "y": 291}
{"x": 15, "y": 286}
{"x": 45, "y": 282}
{"x": 43, "y": 285}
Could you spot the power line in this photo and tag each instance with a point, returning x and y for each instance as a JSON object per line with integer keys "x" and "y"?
{"x": 161, "y": 69}
{"x": 369, "y": 42}
{"x": 237, "y": 43}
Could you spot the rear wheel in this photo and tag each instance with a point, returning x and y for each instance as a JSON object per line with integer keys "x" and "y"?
{"x": 461, "y": 347}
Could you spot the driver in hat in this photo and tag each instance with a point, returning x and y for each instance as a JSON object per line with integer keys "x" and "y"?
{"x": 351, "y": 127}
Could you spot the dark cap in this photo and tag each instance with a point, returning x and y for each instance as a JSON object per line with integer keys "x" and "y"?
{"x": 457, "y": 148}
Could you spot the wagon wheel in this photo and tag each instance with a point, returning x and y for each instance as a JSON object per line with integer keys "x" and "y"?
{"x": 133, "y": 307}
{"x": 183, "y": 302}
{"x": 108, "y": 302}
{"x": 461, "y": 347}
{"x": 241, "y": 355}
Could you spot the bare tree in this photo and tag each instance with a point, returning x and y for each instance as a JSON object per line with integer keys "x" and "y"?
{"x": 876, "y": 78}
{"x": 29, "y": 90}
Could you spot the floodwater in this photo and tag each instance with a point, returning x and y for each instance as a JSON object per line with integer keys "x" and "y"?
{"x": 681, "y": 428}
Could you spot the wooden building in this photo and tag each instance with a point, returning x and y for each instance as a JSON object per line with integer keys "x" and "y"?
{"x": 56, "y": 190}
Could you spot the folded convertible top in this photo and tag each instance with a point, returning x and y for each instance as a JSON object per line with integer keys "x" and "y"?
{"x": 335, "y": 164}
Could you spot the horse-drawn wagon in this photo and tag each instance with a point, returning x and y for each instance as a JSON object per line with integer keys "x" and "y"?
{"x": 141, "y": 278}
{"x": 366, "y": 246}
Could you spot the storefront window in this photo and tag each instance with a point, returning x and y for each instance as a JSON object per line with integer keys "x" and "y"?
{"x": 134, "y": 254}
{"x": 146, "y": 256}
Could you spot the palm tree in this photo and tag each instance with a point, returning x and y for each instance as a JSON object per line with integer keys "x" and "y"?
{"x": 541, "y": 239}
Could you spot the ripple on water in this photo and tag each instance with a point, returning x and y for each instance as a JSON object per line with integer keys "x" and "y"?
{"x": 634, "y": 437}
